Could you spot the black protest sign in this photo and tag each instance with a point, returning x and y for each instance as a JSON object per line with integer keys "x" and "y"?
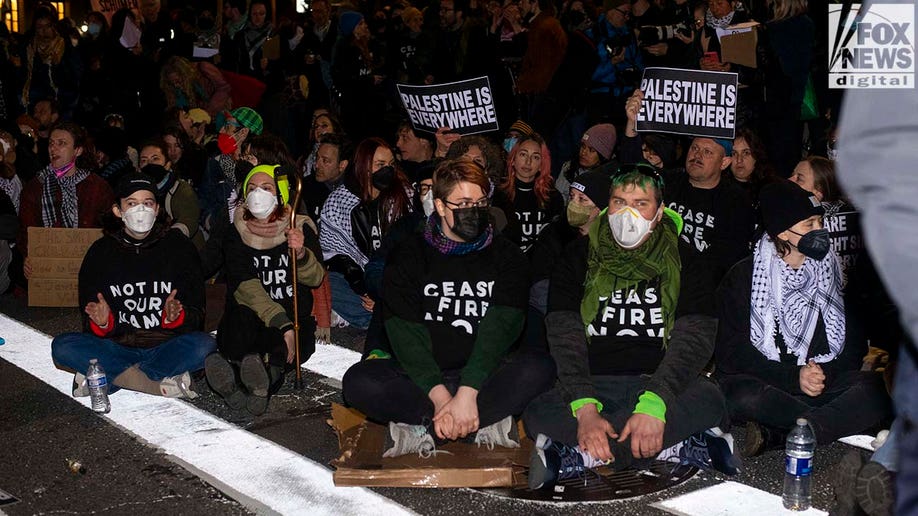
{"x": 845, "y": 236}
{"x": 466, "y": 107}
{"x": 690, "y": 102}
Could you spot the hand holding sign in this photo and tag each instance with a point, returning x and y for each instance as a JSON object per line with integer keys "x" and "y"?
{"x": 465, "y": 106}
{"x": 690, "y": 102}
{"x": 99, "y": 311}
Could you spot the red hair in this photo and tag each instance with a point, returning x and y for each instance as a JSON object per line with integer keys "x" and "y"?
{"x": 395, "y": 201}
{"x": 543, "y": 182}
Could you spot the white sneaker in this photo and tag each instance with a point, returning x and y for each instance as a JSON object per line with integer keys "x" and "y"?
{"x": 178, "y": 386}
{"x": 503, "y": 433}
{"x": 337, "y": 321}
{"x": 80, "y": 387}
{"x": 404, "y": 439}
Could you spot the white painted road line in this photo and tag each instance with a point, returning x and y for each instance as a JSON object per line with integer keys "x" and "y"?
{"x": 729, "y": 499}
{"x": 264, "y": 476}
{"x": 331, "y": 360}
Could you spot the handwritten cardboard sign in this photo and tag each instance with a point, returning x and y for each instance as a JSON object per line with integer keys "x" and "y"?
{"x": 56, "y": 255}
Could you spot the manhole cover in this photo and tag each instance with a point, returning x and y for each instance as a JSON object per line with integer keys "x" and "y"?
{"x": 606, "y": 485}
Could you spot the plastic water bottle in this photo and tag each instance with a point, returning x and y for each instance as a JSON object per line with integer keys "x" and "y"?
{"x": 798, "y": 466}
{"x": 98, "y": 387}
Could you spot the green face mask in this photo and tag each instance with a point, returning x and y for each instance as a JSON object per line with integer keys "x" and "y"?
{"x": 577, "y": 214}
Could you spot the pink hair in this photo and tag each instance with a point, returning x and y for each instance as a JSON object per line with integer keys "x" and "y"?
{"x": 543, "y": 182}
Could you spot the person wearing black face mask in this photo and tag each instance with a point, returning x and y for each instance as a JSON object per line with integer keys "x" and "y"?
{"x": 788, "y": 344}
{"x": 455, "y": 297}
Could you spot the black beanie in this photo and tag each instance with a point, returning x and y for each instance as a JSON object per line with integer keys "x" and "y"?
{"x": 784, "y": 204}
{"x": 595, "y": 184}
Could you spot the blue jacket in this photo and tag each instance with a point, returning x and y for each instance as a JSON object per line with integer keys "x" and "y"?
{"x": 606, "y": 75}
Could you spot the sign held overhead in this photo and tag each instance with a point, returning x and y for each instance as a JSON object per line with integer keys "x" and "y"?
{"x": 466, "y": 107}
{"x": 690, "y": 102}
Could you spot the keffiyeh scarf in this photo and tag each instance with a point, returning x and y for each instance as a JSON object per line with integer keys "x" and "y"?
{"x": 59, "y": 206}
{"x": 718, "y": 23}
{"x": 790, "y": 301}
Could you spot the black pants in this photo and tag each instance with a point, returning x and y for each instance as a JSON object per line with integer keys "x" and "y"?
{"x": 383, "y": 391}
{"x": 852, "y": 403}
{"x": 242, "y": 332}
{"x": 699, "y": 407}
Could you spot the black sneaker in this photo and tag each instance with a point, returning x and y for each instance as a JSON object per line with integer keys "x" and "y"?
{"x": 874, "y": 490}
{"x": 551, "y": 462}
{"x": 761, "y": 438}
{"x": 255, "y": 378}
{"x": 222, "y": 379}
{"x": 711, "y": 449}
{"x": 843, "y": 483}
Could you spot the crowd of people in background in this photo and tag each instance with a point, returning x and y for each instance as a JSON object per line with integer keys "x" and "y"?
{"x": 628, "y": 295}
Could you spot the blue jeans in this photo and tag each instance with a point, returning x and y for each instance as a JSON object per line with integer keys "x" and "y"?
{"x": 346, "y": 303}
{"x": 175, "y": 356}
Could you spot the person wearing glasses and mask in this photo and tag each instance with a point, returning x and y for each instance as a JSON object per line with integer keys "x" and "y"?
{"x": 455, "y": 301}
{"x": 788, "y": 345}
{"x": 717, "y": 214}
{"x": 630, "y": 382}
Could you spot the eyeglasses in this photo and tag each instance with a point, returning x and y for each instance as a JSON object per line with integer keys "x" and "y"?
{"x": 626, "y": 14}
{"x": 422, "y": 188}
{"x": 484, "y": 202}
{"x": 644, "y": 169}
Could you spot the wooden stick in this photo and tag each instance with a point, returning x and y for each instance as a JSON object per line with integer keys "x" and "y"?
{"x": 296, "y": 306}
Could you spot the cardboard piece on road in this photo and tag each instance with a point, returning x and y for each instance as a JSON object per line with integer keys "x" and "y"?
{"x": 56, "y": 255}
{"x": 738, "y": 44}
{"x": 466, "y": 465}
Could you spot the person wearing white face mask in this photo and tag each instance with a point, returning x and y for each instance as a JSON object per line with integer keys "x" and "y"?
{"x": 142, "y": 290}
{"x": 259, "y": 313}
{"x": 621, "y": 285}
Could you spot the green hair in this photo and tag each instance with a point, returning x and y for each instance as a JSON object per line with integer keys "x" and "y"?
{"x": 640, "y": 180}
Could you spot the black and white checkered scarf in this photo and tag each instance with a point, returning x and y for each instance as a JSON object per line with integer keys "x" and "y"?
{"x": 63, "y": 212}
{"x": 793, "y": 299}
{"x": 336, "y": 235}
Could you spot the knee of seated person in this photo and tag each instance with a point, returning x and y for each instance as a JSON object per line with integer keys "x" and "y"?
{"x": 359, "y": 384}
{"x": 62, "y": 347}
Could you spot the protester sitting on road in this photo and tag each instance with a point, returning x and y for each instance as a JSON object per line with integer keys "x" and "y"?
{"x": 177, "y": 196}
{"x": 717, "y": 215}
{"x": 455, "y": 298}
{"x": 335, "y": 152}
{"x": 142, "y": 291}
{"x": 66, "y": 193}
{"x": 221, "y": 177}
{"x": 355, "y": 218}
{"x": 528, "y": 196}
{"x": 787, "y": 346}
{"x": 597, "y": 147}
{"x": 750, "y": 166}
{"x": 323, "y": 123}
{"x": 480, "y": 150}
{"x": 589, "y": 195}
{"x": 613, "y": 332}
{"x": 259, "y": 315}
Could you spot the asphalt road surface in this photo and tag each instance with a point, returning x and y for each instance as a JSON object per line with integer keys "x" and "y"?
{"x": 41, "y": 429}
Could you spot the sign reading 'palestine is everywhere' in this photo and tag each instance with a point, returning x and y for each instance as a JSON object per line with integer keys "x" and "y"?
{"x": 466, "y": 107}
{"x": 690, "y": 102}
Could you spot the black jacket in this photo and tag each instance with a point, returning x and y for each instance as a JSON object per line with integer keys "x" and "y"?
{"x": 735, "y": 353}
{"x": 135, "y": 278}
